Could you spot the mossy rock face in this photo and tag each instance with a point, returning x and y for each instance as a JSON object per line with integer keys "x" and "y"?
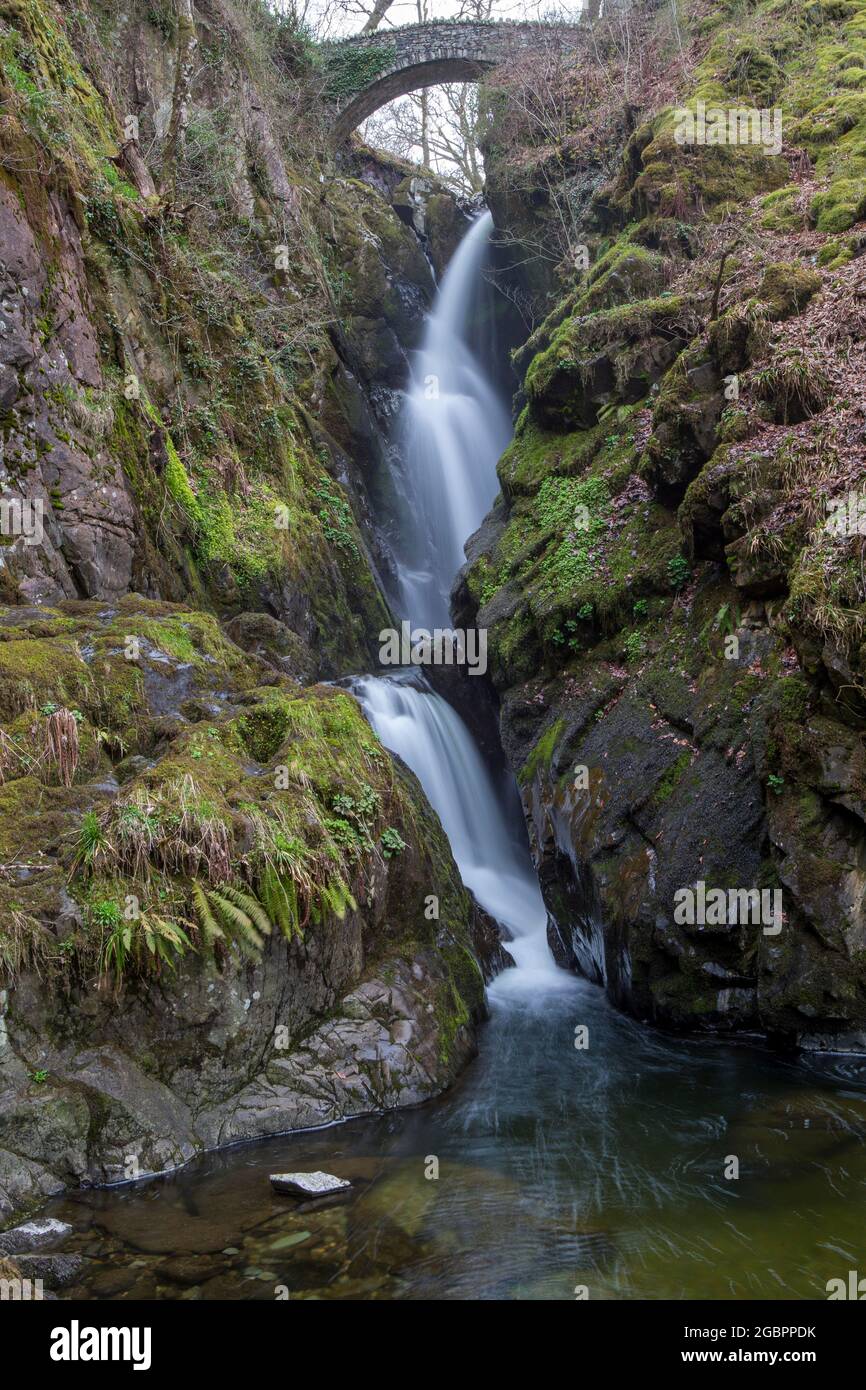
{"x": 185, "y": 460}
{"x": 677, "y": 179}
{"x": 753, "y": 76}
{"x": 625, "y": 272}
{"x": 267, "y": 638}
{"x": 199, "y": 768}
{"x": 611, "y": 356}
{"x": 435, "y": 215}
{"x": 783, "y": 211}
{"x": 840, "y": 206}
{"x": 685, "y": 422}
{"x": 787, "y": 288}
{"x": 675, "y": 628}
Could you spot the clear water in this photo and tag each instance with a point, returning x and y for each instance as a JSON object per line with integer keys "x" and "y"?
{"x": 557, "y": 1168}
{"x": 549, "y": 1168}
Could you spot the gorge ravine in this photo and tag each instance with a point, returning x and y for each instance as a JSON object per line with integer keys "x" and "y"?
{"x": 558, "y": 1167}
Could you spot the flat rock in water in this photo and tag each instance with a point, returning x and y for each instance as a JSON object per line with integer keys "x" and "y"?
{"x": 308, "y": 1184}
{"x": 55, "y": 1271}
{"x": 33, "y": 1235}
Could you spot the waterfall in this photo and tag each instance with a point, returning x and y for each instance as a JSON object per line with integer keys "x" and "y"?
{"x": 452, "y": 430}
{"x": 488, "y": 845}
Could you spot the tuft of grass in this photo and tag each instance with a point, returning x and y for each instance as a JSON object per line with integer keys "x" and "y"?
{"x": 173, "y": 827}
{"x": 62, "y": 748}
{"x": 25, "y": 945}
{"x": 93, "y": 848}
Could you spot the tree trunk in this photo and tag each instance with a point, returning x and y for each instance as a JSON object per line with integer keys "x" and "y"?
{"x": 187, "y": 42}
{"x": 377, "y": 14}
{"x": 425, "y": 130}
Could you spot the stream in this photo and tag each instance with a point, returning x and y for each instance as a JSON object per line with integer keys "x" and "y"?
{"x": 551, "y": 1171}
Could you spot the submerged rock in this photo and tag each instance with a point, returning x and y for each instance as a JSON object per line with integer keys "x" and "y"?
{"x": 55, "y": 1271}
{"x": 33, "y": 1235}
{"x": 308, "y": 1184}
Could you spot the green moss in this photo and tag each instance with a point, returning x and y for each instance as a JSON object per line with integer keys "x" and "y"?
{"x": 557, "y": 378}
{"x": 834, "y": 254}
{"x": 668, "y": 783}
{"x": 178, "y": 484}
{"x": 841, "y": 205}
{"x": 781, "y": 211}
{"x": 787, "y": 287}
{"x": 542, "y": 753}
{"x": 264, "y": 728}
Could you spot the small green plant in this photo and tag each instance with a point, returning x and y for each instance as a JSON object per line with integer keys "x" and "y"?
{"x": 679, "y": 572}
{"x": 635, "y": 647}
{"x": 392, "y": 842}
{"x": 146, "y": 943}
{"x": 776, "y": 783}
{"x": 106, "y": 914}
{"x": 335, "y": 516}
{"x": 724, "y": 623}
{"x": 92, "y": 842}
{"x": 39, "y": 1077}
{"x": 641, "y": 610}
{"x": 356, "y": 816}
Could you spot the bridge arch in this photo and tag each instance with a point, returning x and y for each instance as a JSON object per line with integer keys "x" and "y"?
{"x": 367, "y": 71}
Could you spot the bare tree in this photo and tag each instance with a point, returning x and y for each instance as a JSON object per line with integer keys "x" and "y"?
{"x": 377, "y": 14}
{"x": 187, "y": 42}
{"x": 438, "y": 128}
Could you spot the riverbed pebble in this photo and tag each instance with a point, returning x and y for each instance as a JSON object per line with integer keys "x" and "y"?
{"x": 308, "y": 1184}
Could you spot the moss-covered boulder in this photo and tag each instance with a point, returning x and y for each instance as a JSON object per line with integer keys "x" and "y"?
{"x": 215, "y": 891}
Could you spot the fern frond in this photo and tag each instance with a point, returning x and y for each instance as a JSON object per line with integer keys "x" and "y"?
{"x": 210, "y": 927}
{"x": 336, "y": 897}
{"x": 237, "y": 921}
{"x": 250, "y": 906}
{"x": 281, "y": 902}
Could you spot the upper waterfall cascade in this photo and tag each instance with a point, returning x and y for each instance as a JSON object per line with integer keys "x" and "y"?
{"x": 452, "y": 430}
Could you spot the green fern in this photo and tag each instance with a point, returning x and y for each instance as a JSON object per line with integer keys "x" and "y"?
{"x": 280, "y": 899}
{"x": 334, "y": 897}
{"x": 146, "y": 943}
{"x": 251, "y": 906}
{"x": 210, "y": 928}
{"x": 231, "y": 916}
{"x": 164, "y": 940}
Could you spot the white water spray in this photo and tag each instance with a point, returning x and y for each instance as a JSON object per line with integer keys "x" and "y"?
{"x": 453, "y": 429}
{"x": 431, "y": 738}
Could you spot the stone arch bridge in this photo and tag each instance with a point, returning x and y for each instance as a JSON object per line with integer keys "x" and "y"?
{"x": 364, "y": 72}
